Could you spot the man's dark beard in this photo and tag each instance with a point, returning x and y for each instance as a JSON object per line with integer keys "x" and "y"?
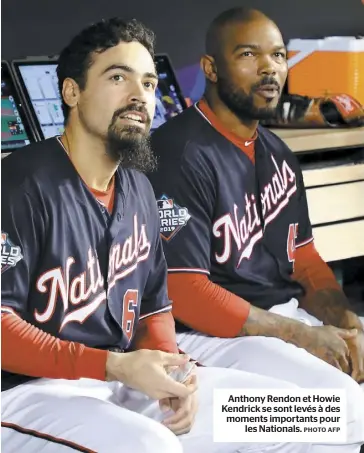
{"x": 241, "y": 103}
{"x": 130, "y": 146}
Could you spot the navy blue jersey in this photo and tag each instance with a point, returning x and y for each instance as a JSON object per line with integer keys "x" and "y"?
{"x": 235, "y": 212}
{"x": 70, "y": 268}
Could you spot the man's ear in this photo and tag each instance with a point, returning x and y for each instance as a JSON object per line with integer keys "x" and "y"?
{"x": 208, "y": 67}
{"x": 70, "y": 92}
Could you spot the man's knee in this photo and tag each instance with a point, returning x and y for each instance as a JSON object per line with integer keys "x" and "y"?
{"x": 99, "y": 426}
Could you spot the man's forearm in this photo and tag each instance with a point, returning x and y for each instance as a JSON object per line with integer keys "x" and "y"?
{"x": 27, "y": 350}
{"x": 332, "y": 307}
{"x": 324, "y": 297}
{"x": 205, "y": 306}
{"x": 156, "y": 332}
{"x": 264, "y": 323}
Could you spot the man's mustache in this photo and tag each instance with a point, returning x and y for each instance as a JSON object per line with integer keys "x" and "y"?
{"x": 132, "y": 108}
{"x": 267, "y": 81}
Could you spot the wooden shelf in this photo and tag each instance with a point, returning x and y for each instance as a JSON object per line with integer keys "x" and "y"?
{"x": 340, "y": 241}
{"x": 342, "y": 202}
{"x": 334, "y": 193}
{"x": 300, "y": 140}
{"x": 333, "y": 175}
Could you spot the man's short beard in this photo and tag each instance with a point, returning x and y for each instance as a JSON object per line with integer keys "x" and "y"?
{"x": 241, "y": 103}
{"x": 131, "y": 148}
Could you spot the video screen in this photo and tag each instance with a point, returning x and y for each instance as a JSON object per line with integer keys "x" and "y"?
{"x": 14, "y": 131}
{"x": 40, "y": 83}
{"x": 169, "y": 99}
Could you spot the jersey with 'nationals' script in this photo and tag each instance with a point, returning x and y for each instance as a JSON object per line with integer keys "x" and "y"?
{"x": 236, "y": 212}
{"x": 68, "y": 266}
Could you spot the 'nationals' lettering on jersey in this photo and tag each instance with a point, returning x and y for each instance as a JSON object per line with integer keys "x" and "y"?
{"x": 247, "y": 230}
{"x": 123, "y": 260}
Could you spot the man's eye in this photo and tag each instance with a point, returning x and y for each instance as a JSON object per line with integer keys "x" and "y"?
{"x": 248, "y": 53}
{"x": 150, "y": 85}
{"x": 117, "y": 78}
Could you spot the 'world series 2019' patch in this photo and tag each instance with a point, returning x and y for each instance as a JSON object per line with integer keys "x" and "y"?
{"x": 10, "y": 253}
{"x": 172, "y": 217}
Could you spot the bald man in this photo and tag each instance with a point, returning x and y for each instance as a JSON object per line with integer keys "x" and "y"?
{"x": 250, "y": 291}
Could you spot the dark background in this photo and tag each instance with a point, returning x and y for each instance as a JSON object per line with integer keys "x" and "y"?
{"x": 43, "y": 27}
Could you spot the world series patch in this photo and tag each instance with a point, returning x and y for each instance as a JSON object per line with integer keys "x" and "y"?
{"x": 10, "y": 253}
{"x": 172, "y": 217}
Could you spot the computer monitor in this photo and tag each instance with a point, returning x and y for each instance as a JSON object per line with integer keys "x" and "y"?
{"x": 169, "y": 97}
{"x": 15, "y": 128}
{"x": 38, "y": 81}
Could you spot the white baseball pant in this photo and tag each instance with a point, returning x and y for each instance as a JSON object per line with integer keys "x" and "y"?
{"x": 60, "y": 416}
{"x": 277, "y": 359}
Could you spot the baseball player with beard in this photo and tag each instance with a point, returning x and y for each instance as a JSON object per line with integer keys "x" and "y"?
{"x": 249, "y": 289}
{"x": 88, "y": 338}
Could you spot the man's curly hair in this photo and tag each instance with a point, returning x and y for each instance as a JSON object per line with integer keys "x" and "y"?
{"x": 75, "y": 60}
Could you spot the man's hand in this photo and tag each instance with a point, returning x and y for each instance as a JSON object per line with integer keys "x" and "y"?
{"x": 356, "y": 350}
{"x": 146, "y": 371}
{"x": 185, "y": 410}
{"x": 331, "y": 345}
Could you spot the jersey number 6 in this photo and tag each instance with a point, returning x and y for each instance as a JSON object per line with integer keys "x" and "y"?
{"x": 130, "y": 303}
